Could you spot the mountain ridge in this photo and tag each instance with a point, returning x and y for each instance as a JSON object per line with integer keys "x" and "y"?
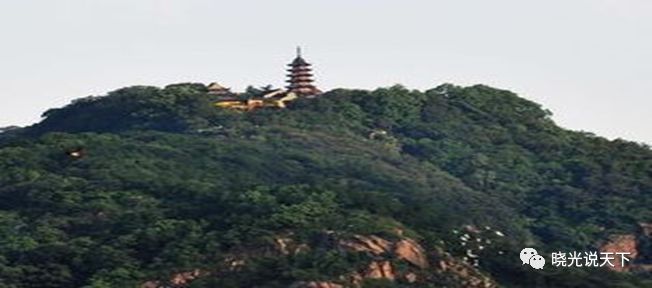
{"x": 169, "y": 183}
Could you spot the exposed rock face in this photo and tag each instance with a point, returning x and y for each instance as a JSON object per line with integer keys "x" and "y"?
{"x": 621, "y": 244}
{"x": 372, "y": 244}
{"x": 182, "y": 279}
{"x": 380, "y": 270}
{"x": 461, "y": 272}
{"x": 465, "y": 274}
{"x": 385, "y": 256}
{"x": 410, "y": 251}
{"x": 282, "y": 245}
{"x": 406, "y": 249}
{"x": 632, "y": 244}
{"x": 315, "y": 284}
{"x": 287, "y": 245}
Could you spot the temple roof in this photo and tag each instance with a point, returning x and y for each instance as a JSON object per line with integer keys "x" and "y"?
{"x": 300, "y": 85}
{"x": 298, "y": 68}
{"x": 306, "y": 74}
{"x": 299, "y": 62}
{"x": 216, "y": 86}
{"x": 300, "y": 79}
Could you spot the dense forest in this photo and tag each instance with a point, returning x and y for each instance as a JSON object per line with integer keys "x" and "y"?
{"x": 141, "y": 186}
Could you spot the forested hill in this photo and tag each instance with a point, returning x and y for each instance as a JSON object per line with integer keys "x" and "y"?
{"x": 148, "y": 187}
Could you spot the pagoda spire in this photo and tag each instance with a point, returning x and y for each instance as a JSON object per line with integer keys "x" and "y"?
{"x": 300, "y": 77}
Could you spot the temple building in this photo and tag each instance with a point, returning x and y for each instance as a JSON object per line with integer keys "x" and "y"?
{"x": 300, "y": 85}
{"x": 219, "y": 90}
{"x": 300, "y": 77}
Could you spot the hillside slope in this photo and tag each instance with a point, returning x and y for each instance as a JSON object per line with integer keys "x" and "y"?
{"x": 147, "y": 186}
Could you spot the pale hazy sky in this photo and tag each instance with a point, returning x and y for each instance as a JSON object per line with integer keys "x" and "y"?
{"x": 589, "y": 61}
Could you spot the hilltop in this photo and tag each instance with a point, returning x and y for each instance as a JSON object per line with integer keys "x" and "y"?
{"x": 148, "y": 186}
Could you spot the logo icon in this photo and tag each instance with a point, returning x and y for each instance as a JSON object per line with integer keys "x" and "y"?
{"x": 531, "y": 257}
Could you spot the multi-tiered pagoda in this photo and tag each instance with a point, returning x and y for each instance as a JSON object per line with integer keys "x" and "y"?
{"x": 300, "y": 77}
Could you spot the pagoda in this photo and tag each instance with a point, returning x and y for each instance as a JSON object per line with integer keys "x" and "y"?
{"x": 300, "y": 77}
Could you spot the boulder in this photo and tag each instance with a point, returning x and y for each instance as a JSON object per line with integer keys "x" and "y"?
{"x": 622, "y": 243}
{"x": 372, "y": 244}
{"x": 380, "y": 270}
{"x": 410, "y": 251}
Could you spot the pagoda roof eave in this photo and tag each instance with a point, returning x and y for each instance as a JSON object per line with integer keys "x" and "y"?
{"x": 299, "y": 64}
